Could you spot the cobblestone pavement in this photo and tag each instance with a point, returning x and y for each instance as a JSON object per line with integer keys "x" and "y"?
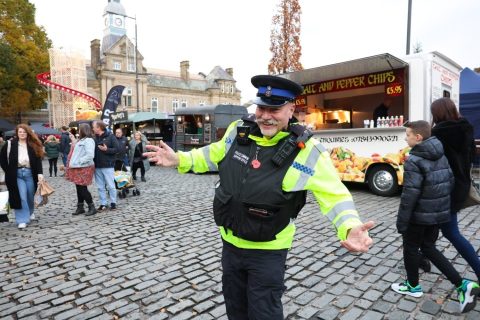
{"x": 158, "y": 257}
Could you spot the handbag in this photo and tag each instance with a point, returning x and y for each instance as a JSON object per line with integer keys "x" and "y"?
{"x": 473, "y": 197}
{"x": 4, "y": 206}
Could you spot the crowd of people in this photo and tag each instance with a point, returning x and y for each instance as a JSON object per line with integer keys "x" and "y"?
{"x": 262, "y": 187}
{"x": 93, "y": 151}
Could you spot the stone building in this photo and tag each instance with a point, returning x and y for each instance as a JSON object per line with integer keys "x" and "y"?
{"x": 113, "y": 63}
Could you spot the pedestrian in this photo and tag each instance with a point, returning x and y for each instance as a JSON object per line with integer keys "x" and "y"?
{"x": 137, "y": 159}
{"x": 456, "y": 135}
{"x": 121, "y": 158}
{"x": 424, "y": 206}
{"x": 80, "y": 168}
{"x": 106, "y": 148}
{"x": 381, "y": 111}
{"x": 21, "y": 159}
{"x": 52, "y": 151}
{"x": 64, "y": 144}
{"x": 266, "y": 163}
{"x": 2, "y": 142}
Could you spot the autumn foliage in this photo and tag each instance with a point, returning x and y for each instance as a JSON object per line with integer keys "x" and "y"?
{"x": 285, "y": 38}
{"x": 23, "y": 54}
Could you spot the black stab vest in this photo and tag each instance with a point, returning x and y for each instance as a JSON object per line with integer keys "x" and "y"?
{"x": 251, "y": 202}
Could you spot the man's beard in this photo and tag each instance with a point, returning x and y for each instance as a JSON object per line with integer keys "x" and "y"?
{"x": 272, "y": 130}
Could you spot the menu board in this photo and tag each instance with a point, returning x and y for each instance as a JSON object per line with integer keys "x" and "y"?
{"x": 207, "y": 133}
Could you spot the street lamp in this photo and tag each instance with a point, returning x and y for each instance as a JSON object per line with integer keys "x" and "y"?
{"x": 137, "y": 80}
{"x": 409, "y": 22}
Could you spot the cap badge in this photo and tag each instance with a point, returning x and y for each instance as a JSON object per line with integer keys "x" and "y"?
{"x": 268, "y": 93}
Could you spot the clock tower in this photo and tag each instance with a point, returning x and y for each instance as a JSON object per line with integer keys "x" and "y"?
{"x": 114, "y": 24}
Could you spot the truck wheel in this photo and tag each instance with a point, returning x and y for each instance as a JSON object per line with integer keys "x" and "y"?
{"x": 382, "y": 180}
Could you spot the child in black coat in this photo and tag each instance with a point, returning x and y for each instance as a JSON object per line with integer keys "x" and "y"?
{"x": 424, "y": 205}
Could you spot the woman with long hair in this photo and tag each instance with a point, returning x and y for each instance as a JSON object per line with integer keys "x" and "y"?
{"x": 81, "y": 168}
{"x": 52, "y": 151}
{"x": 137, "y": 160}
{"x": 456, "y": 135}
{"x": 21, "y": 159}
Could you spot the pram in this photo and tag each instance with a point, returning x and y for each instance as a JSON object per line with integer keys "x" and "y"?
{"x": 123, "y": 180}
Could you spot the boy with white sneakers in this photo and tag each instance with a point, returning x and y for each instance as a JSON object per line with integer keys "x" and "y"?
{"x": 424, "y": 205}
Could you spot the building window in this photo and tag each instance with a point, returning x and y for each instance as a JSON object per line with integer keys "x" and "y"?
{"x": 202, "y": 103}
{"x": 127, "y": 97}
{"x": 184, "y": 104}
{"x": 222, "y": 87}
{"x": 117, "y": 65}
{"x": 231, "y": 88}
{"x": 131, "y": 67}
{"x": 174, "y": 105}
{"x": 154, "y": 105}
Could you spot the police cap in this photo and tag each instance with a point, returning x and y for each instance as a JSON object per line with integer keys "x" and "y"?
{"x": 274, "y": 91}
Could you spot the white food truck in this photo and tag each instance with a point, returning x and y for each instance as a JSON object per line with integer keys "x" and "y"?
{"x": 339, "y": 101}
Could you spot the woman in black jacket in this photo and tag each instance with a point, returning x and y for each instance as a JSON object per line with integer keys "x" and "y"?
{"x": 456, "y": 135}
{"x": 22, "y": 163}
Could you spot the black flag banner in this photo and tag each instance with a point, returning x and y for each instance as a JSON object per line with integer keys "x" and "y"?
{"x": 111, "y": 103}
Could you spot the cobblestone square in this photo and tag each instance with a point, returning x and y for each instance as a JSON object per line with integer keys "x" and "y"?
{"x": 158, "y": 257}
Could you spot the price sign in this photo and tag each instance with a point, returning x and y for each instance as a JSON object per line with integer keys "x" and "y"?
{"x": 394, "y": 89}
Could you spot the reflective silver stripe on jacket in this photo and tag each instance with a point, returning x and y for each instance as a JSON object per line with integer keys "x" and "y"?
{"x": 319, "y": 146}
{"x": 304, "y": 176}
{"x": 231, "y": 136}
{"x": 339, "y": 208}
{"x": 342, "y": 219}
{"x": 206, "y": 155}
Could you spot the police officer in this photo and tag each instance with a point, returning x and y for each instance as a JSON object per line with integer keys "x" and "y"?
{"x": 266, "y": 163}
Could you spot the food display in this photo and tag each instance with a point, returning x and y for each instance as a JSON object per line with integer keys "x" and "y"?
{"x": 87, "y": 115}
{"x": 351, "y": 167}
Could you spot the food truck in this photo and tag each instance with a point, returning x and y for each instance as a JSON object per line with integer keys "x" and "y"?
{"x": 339, "y": 100}
{"x": 199, "y": 126}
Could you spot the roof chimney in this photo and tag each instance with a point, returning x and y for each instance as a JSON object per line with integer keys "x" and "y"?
{"x": 230, "y": 71}
{"x": 95, "y": 54}
{"x": 184, "y": 65}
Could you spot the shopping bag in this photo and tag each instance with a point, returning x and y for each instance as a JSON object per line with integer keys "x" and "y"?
{"x": 473, "y": 197}
{"x": 4, "y": 207}
{"x": 45, "y": 188}
{"x": 41, "y": 195}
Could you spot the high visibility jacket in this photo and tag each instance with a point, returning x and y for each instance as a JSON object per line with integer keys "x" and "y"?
{"x": 311, "y": 170}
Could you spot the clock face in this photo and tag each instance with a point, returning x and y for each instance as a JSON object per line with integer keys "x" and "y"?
{"x": 118, "y": 22}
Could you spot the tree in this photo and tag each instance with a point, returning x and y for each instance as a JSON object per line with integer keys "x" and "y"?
{"x": 418, "y": 47}
{"x": 24, "y": 53}
{"x": 285, "y": 38}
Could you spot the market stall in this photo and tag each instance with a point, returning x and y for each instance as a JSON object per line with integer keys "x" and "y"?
{"x": 155, "y": 126}
{"x": 356, "y": 109}
{"x": 199, "y": 126}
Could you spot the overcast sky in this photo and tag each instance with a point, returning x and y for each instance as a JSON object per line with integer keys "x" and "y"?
{"x": 236, "y": 33}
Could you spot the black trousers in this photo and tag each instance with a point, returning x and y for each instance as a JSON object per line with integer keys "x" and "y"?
{"x": 136, "y": 166}
{"x": 83, "y": 194}
{"x": 424, "y": 238}
{"x": 253, "y": 283}
{"x": 52, "y": 164}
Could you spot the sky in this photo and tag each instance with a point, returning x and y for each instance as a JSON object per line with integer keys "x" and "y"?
{"x": 236, "y": 33}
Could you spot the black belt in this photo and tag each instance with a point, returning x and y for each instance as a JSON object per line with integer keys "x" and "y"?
{"x": 23, "y": 167}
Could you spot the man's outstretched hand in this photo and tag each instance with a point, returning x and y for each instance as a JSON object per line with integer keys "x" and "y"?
{"x": 162, "y": 155}
{"x": 358, "y": 239}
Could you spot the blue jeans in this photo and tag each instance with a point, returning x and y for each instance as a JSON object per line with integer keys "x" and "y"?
{"x": 26, "y": 189}
{"x": 64, "y": 159}
{"x": 105, "y": 176}
{"x": 463, "y": 246}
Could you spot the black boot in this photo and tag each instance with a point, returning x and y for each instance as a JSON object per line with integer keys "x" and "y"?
{"x": 134, "y": 177}
{"x": 50, "y": 171}
{"x": 91, "y": 210}
{"x": 80, "y": 209}
{"x": 143, "y": 179}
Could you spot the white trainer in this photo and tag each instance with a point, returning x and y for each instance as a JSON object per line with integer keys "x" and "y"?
{"x": 22, "y": 225}
{"x": 32, "y": 217}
